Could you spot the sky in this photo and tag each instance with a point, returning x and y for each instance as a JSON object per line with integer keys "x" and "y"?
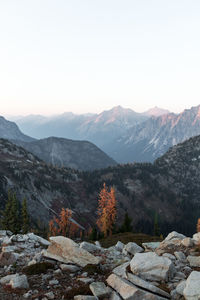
{"x": 88, "y": 55}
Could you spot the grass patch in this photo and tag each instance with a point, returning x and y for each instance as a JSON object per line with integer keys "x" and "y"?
{"x": 38, "y": 268}
{"x": 127, "y": 237}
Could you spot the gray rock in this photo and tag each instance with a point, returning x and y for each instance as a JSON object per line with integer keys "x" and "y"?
{"x": 180, "y": 256}
{"x": 100, "y": 290}
{"x": 97, "y": 243}
{"x": 187, "y": 242}
{"x": 150, "y": 266}
{"x": 67, "y": 251}
{"x": 129, "y": 291}
{"x": 7, "y": 258}
{"x": 80, "y": 297}
{"x": 170, "y": 256}
{"x": 69, "y": 268}
{"x": 180, "y": 287}
{"x": 196, "y": 237}
{"x": 133, "y": 248}
{"x": 152, "y": 246}
{"x": 194, "y": 261}
{"x": 38, "y": 239}
{"x": 192, "y": 288}
{"x": 115, "y": 296}
{"x": 146, "y": 285}
{"x": 4, "y": 233}
{"x": 86, "y": 280}
{"x": 121, "y": 270}
{"x": 175, "y": 235}
{"x": 119, "y": 246}
{"x": 19, "y": 282}
{"x": 53, "y": 282}
{"x": 89, "y": 247}
{"x": 50, "y": 295}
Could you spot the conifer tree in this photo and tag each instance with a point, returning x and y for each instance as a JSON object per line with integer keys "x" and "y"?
{"x": 156, "y": 226}
{"x": 107, "y": 210}
{"x": 11, "y": 220}
{"x": 25, "y": 217}
{"x": 6, "y": 215}
{"x": 126, "y": 226}
{"x": 14, "y": 215}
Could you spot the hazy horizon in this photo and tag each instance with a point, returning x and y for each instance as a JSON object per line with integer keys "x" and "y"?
{"x": 89, "y": 56}
{"x": 98, "y": 112}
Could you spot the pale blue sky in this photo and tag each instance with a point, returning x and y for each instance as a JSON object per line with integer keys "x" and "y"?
{"x": 89, "y": 55}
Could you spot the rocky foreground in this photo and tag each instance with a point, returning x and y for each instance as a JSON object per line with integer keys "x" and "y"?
{"x": 34, "y": 268}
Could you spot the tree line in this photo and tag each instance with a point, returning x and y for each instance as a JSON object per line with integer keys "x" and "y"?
{"x": 15, "y": 216}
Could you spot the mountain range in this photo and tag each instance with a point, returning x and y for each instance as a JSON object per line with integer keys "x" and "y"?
{"x": 121, "y": 133}
{"x": 169, "y": 188}
{"x": 60, "y": 152}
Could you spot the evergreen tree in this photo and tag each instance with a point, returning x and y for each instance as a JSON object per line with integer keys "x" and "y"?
{"x": 15, "y": 224}
{"x": 126, "y": 226}
{"x": 25, "y": 217}
{"x": 11, "y": 220}
{"x": 6, "y": 216}
{"x": 156, "y": 226}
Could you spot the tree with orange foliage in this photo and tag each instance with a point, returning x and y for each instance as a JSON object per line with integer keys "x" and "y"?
{"x": 198, "y": 225}
{"x": 63, "y": 224}
{"x": 107, "y": 210}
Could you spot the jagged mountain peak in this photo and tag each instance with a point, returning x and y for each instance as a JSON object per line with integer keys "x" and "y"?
{"x": 156, "y": 111}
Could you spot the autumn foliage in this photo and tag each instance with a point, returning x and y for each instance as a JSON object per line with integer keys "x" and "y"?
{"x": 63, "y": 225}
{"x": 106, "y": 210}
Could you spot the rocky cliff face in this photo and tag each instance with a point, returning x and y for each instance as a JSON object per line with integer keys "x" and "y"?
{"x": 9, "y": 130}
{"x": 151, "y": 139}
{"x": 81, "y": 155}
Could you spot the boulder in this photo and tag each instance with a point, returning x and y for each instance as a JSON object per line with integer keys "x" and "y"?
{"x": 121, "y": 270}
{"x": 196, "y": 237}
{"x": 180, "y": 287}
{"x": 115, "y": 296}
{"x": 119, "y": 246}
{"x": 152, "y": 246}
{"x": 89, "y": 247}
{"x": 97, "y": 243}
{"x": 194, "y": 261}
{"x": 192, "y": 288}
{"x": 152, "y": 267}
{"x": 168, "y": 246}
{"x": 170, "y": 256}
{"x": 146, "y": 285}
{"x": 133, "y": 248}
{"x": 100, "y": 290}
{"x": 38, "y": 239}
{"x": 19, "y": 282}
{"x": 69, "y": 268}
{"x": 175, "y": 235}
{"x": 180, "y": 256}
{"x": 187, "y": 242}
{"x": 16, "y": 281}
{"x": 67, "y": 251}
{"x": 7, "y": 258}
{"x": 4, "y": 233}
{"x": 129, "y": 291}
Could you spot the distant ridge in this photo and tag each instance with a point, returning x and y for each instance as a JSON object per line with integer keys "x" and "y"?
{"x": 156, "y": 112}
{"x": 60, "y": 152}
